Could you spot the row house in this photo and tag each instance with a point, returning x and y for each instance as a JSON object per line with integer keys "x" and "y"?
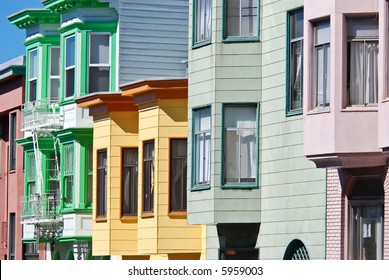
{"x": 70, "y": 52}
{"x": 12, "y": 85}
{"x": 345, "y": 121}
{"x": 248, "y": 179}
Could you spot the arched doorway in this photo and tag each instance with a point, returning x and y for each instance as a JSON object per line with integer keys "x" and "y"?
{"x": 296, "y": 250}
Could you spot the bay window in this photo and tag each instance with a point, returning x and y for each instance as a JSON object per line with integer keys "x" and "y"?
{"x": 241, "y": 18}
{"x": 33, "y": 75}
{"x": 70, "y": 65}
{"x": 203, "y": 15}
{"x": 362, "y": 55}
{"x": 130, "y": 182}
{"x": 202, "y": 146}
{"x": 240, "y": 144}
{"x": 99, "y": 62}
{"x": 68, "y": 172}
{"x": 322, "y": 64}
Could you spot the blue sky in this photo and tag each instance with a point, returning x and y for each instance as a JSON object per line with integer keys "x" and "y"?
{"x": 11, "y": 37}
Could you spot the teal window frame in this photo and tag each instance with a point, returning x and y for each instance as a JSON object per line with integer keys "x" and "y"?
{"x": 291, "y": 68}
{"x": 195, "y": 156}
{"x": 239, "y": 38}
{"x": 239, "y": 185}
{"x": 195, "y": 26}
{"x": 30, "y": 173}
{"x": 12, "y": 141}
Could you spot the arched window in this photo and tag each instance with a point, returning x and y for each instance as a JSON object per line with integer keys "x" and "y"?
{"x": 296, "y": 250}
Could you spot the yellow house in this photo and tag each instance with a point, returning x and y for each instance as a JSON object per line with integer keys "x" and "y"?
{"x": 139, "y": 182}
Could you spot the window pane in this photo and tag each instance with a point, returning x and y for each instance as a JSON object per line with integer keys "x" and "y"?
{"x": 322, "y": 32}
{"x": 69, "y": 82}
{"x": 319, "y": 76}
{"x": 130, "y": 182}
{"x": 233, "y": 18}
{"x": 98, "y": 79}
{"x": 69, "y": 189}
{"x": 240, "y": 117}
{"x": 12, "y": 143}
{"x": 247, "y": 156}
{"x": 203, "y": 20}
{"x": 202, "y": 119}
{"x": 231, "y": 163}
{"x": 54, "y": 89}
{"x": 178, "y": 167}
{"x": 33, "y": 64}
{"x": 99, "y": 49}
{"x": 296, "y": 74}
{"x": 55, "y": 61}
{"x": 70, "y": 51}
{"x": 148, "y": 176}
{"x": 101, "y": 183}
{"x": 32, "y": 96}
{"x": 296, "y": 24}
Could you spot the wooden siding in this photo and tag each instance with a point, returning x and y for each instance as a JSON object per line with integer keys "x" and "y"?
{"x": 153, "y": 39}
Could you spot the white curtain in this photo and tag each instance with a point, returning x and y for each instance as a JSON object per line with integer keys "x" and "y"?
{"x": 371, "y": 49}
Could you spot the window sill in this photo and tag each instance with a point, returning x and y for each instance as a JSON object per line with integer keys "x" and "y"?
{"x": 200, "y": 187}
{"x": 101, "y": 220}
{"x": 129, "y": 219}
{"x": 296, "y": 112}
{"x": 70, "y": 100}
{"x": 237, "y": 186}
{"x": 317, "y": 111}
{"x": 360, "y": 109}
{"x": 147, "y": 215}
{"x": 178, "y": 215}
{"x": 201, "y": 44}
{"x": 241, "y": 40}
{"x": 385, "y": 100}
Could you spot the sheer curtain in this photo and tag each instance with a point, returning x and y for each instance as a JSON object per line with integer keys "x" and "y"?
{"x": 356, "y": 73}
{"x": 371, "y": 72}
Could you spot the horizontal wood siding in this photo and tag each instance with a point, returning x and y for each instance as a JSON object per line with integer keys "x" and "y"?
{"x": 153, "y": 39}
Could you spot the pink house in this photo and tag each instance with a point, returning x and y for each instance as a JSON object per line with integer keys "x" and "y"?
{"x": 346, "y": 127}
{"x": 12, "y": 80}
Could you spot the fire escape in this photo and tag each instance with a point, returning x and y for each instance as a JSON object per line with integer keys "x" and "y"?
{"x": 41, "y": 208}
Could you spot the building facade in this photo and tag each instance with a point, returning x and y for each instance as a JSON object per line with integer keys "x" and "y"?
{"x": 70, "y": 51}
{"x": 12, "y": 84}
{"x": 248, "y": 178}
{"x": 345, "y": 126}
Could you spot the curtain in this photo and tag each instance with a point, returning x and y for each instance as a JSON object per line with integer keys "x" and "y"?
{"x": 356, "y": 73}
{"x": 371, "y": 72}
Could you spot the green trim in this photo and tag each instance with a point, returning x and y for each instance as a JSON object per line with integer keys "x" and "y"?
{"x": 74, "y": 239}
{"x": 238, "y": 39}
{"x": 254, "y": 185}
{"x": 28, "y": 240}
{"x": 194, "y": 28}
{"x": 194, "y": 187}
{"x": 62, "y": 6}
{"x": 288, "y": 110}
{"x": 12, "y": 70}
{"x": 29, "y": 18}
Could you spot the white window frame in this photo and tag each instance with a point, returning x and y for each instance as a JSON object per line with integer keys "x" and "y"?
{"x": 324, "y": 46}
{"x": 33, "y": 79}
{"x": 71, "y": 67}
{"x": 203, "y": 18}
{"x": 96, "y": 65}
{"x": 54, "y": 77}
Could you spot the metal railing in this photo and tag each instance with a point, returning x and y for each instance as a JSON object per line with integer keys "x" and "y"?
{"x": 41, "y": 208}
{"x": 41, "y": 115}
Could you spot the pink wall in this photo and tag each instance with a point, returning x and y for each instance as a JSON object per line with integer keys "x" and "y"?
{"x": 11, "y": 182}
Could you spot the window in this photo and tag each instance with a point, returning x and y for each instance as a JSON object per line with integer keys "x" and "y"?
{"x": 202, "y": 146}
{"x": 239, "y": 146}
{"x": 33, "y": 75}
{"x": 148, "y": 176}
{"x": 99, "y": 62}
{"x": 53, "y": 173}
{"x": 70, "y": 65}
{"x": 31, "y": 173}
{"x": 203, "y": 14}
{"x": 322, "y": 64}
{"x": 54, "y": 73}
{"x": 30, "y": 251}
{"x": 68, "y": 172}
{"x": 362, "y": 66}
{"x": 12, "y": 142}
{"x": 295, "y": 56}
{"x": 102, "y": 183}
{"x": 130, "y": 182}
{"x": 90, "y": 175}
{"x": 241, "y": 18}
{"x": 178, "y": 165}
{"x": 12, "y": 236}
{"x": 366, "y": 229}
